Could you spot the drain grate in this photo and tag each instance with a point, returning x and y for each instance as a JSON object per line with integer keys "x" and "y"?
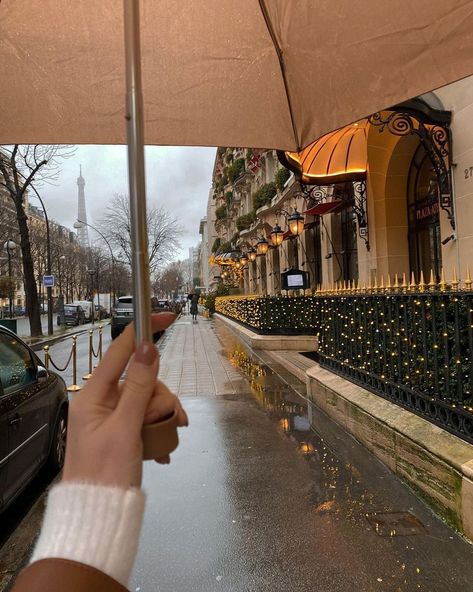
{"x": 390, "y": 524}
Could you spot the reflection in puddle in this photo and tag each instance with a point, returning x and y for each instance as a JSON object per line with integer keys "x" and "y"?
{"x": 337, "y": 487}
{"x": 345, "y": 488}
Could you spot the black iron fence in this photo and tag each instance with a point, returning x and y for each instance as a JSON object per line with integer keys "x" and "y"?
{"x": 413, "y": 346}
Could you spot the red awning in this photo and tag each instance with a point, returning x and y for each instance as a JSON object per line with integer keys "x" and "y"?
{"x": 326, "y": 207}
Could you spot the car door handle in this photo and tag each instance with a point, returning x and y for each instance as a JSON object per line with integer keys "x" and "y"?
{"x": 15, "y": 420}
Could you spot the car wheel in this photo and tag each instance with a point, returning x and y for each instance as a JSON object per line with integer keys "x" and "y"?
{"x": 115, "y": 332}
{"x": 58, "y": 445}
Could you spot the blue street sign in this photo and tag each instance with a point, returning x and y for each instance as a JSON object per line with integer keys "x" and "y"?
{"x": 48, "y": 281}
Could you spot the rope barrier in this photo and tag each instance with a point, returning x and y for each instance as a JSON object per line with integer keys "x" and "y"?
{"x": 48, "y": 360}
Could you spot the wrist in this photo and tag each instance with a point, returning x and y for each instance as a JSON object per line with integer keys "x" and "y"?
{"x": 96, "y": 525}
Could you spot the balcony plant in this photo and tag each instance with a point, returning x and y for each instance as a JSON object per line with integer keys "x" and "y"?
{"x": 280, "y": 178}
{"x": 264, "y": 195}
{"x": 245, "y": 221}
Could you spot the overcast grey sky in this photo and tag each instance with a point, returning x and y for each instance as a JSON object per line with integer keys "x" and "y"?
{"x": 178, "y": 178}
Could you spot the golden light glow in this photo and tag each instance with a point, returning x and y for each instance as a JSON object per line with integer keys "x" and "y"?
{"x": 262, "y": 246}
{"x": 296, "y": 227}
{"x": 277, "y": 235}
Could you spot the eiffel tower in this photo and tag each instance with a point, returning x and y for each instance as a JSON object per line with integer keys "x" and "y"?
{"x": 83, "y": 232}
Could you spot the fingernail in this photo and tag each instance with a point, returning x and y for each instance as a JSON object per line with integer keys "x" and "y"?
{"x": 145, "y": 353}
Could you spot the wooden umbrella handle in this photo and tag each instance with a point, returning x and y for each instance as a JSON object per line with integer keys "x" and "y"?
{"x": 160, "y": 438}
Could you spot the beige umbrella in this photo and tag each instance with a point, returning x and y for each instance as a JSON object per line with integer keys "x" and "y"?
{"x": 272, "y": 73}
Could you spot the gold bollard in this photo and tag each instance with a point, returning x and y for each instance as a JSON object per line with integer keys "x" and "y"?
{"x": 46, "y": 356}
{"x": 100, "y": 343}
{"x": 91, "y": 345}
{"x": 74, "y": 386}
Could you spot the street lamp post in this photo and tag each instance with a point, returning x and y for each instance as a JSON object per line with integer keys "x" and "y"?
{"x": 80, "y": 224}
{"x": 10, "y": 246}
{"x": 92, "y": 273}
{"x": 61, "y": 295}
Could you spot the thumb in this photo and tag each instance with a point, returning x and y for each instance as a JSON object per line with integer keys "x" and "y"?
{"x": 139, "y": 385}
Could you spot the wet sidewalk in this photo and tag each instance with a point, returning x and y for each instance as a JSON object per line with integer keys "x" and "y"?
{"x": 255, "y": 501}
{"x": 192, "y": 362}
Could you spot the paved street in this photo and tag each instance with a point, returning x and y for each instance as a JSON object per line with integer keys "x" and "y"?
{"x": 255, "y": 500}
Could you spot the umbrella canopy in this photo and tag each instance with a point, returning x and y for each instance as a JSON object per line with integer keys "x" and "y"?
{"x": 272, "y": 73}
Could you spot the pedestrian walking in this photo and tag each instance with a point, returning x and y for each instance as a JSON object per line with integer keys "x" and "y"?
{"x": 194, "y": 307}
{"x": 89, "y": 538}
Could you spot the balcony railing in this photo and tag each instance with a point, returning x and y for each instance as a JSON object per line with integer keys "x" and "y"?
{"x": 412, "y": 345}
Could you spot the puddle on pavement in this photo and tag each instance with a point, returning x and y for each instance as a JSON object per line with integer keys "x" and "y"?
{"x": 337, "y": 488}
{"x": 390, "y": 524}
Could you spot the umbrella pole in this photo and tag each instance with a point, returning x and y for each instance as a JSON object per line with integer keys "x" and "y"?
{"x": 136, "y": 174}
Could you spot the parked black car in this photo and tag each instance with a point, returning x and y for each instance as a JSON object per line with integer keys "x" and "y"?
{"x": 33, "y": 417}
{"x": 123, "y": 315}
{"x": 74, "y": 314}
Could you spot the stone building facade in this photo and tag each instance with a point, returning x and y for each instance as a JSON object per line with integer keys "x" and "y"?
{"x": 388, "y": 196}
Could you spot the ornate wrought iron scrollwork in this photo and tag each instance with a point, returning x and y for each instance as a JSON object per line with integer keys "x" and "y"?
{"x": 314, "y": 194}
{"x": 360, "y": 207}
{"x": 435, "y": 139}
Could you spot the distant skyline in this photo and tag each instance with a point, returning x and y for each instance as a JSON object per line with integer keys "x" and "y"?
{"x": 178, "y": 178}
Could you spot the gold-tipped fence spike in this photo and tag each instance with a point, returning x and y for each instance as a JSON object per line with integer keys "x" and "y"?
{"x": 404, "y": 281}
{"x": 388, "y": 283}
{"x": 396, "y": 282}
{"x": 421, "y": 282}
{"x": 432, "y": 282}
{"x": 468, "y": 281}
{"x": 412, "y": 285}
{"x": 369, "y": 284}
{"x": 455, "y": 281}
{"x": 382, "y": 282}
{"x": 443, "y": 283}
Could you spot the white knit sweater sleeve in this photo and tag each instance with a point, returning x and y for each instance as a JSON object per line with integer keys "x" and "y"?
{"x": 93, "y": 524}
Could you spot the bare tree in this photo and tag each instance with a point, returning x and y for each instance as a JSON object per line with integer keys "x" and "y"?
{"x": 170, "y": 280}
{"x": 163, "y": 232}
{"x": 19, "y": 167}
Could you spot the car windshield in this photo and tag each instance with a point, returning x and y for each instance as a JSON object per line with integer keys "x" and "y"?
{"x": 70, "y": 308}
{"x": 126, "y": 300}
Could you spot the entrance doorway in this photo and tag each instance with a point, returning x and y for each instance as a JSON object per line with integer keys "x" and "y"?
{"x": 425, "y": 250}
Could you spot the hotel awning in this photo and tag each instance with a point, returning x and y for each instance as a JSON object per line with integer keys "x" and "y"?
{"x": 337, "y": 157}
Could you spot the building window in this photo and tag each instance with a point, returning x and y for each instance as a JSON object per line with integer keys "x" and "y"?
{"x": 425, "y": 252}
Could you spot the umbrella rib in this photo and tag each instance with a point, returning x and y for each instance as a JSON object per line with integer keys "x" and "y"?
{"x": 282, "y": 66}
